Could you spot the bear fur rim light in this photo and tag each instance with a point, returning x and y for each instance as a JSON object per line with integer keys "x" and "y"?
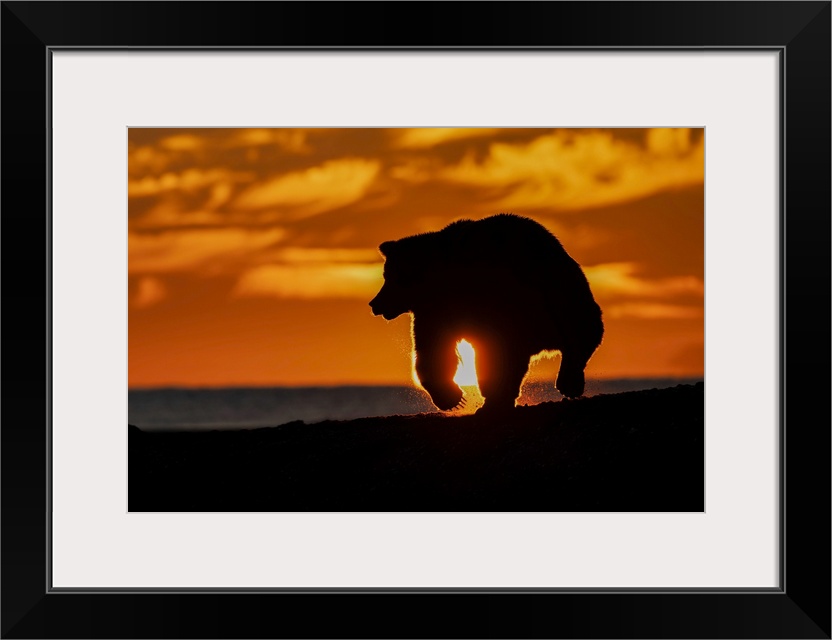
{"x": 505, "y": 284}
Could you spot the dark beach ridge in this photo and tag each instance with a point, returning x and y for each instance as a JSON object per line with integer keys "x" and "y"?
{"x": 635, "y": 451}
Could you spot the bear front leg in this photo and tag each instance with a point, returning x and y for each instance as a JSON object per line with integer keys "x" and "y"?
{"x": 436, "y": 369}
{"x": 436, "y": 364}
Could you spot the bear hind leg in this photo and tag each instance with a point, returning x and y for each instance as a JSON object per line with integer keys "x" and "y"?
{"x": 571, "y": 381}
{"x": 500, "y": 377}
{"x": 580, "y": 337}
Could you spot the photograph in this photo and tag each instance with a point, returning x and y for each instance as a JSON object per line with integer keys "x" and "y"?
{"x": 320, "y": 306}
{"x": 416, "y": 319}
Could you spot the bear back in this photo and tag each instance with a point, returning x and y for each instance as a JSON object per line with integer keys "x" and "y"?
{"x": 503, "y": 259}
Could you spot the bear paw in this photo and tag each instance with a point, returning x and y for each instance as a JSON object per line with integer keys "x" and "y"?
{"x": 445, "y": 398}
{"x": 571, "y": 384}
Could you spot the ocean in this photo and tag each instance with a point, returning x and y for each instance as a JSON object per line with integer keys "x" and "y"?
{"x": 178, "y": 409}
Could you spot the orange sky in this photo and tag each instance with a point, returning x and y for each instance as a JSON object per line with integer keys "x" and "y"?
{"x": 252, "y": 252}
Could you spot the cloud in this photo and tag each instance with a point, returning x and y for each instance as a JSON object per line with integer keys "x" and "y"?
{"x": 314, "y": 272}
{"x": 311, "y": 280}
{"x": 652, "y": 311}
{"x": 415, "y": 170}
{"x": 307, "y": 254}
{"x": 157, "y": 158}
{"x": 192, "y": 249}
{"x": 619, "y": 279}
{"x": 432, "y": 137}
{"x": 189, "y": 180}
{"x": 171, "y": 210}
{"x": 220, "y": 194}
{"x": 147, "y": 160}
{"x": 312, "y": 191}
{"x": 169, "y": 215}
{"x": 182, "y": 142}
{"x": 150, "y": 291}
{"x": 569, "y": 170}
{"x": 666, "y": 142}
{"x": 291, "y": 140}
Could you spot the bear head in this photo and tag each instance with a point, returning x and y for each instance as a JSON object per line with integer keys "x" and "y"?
{"x": 421, "y": 272}
{"x": 401, "y": 282}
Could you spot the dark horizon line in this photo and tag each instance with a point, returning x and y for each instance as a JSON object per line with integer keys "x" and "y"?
{"x": 387, "y": 385}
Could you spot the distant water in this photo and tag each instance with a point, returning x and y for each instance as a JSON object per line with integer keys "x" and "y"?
{"x": 248, "y": 408}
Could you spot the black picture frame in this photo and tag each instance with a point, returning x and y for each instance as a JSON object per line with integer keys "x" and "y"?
{"x": 799, "y": 31}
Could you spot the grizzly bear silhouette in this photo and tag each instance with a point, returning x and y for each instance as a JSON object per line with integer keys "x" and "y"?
{"x": 503, "y": 283}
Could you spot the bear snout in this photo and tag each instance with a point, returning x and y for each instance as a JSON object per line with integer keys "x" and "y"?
{"x": 383, "y": 308}
{"x": 374, "y": 306}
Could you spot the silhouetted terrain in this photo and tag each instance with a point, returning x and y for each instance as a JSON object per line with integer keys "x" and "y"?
{"x": 637, "y": 451}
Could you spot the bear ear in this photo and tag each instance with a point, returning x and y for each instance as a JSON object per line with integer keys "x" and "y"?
{"x": 387, "y": 247}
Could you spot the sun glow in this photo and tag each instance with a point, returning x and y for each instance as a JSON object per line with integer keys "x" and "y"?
{"x": 466, "y": 372}
{"x": 466, "y": 377}
{"x": 413, "y": 374}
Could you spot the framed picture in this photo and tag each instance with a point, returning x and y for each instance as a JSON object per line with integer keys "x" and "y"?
{"x": 271, "y": 258}
{"x": 141, "y": 129}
